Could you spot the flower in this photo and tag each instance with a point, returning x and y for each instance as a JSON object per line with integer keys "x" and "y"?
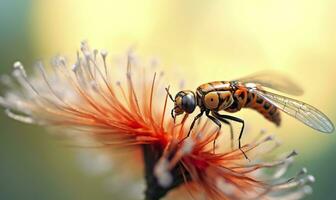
{"x": 90, "y": 100}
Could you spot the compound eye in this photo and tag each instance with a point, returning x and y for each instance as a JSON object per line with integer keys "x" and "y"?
{"x": 188, "y": 103}
{"x": 211, "y": 100}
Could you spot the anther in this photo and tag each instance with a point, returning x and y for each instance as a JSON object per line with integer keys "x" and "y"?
{"x": 84, "y": 43}
{"x": 303, "y": 171}
{"x": 130, "y": 55}
{"x": 18, "y": 67}
{"x": 87, "y": 55}
{"x": 75, "y": 67}
{"x": 299, "y": 175}
{"x": 95, "y": 53}
{"x": 24, "y": 119}
{"x": 310, "y": 179}
{"x": 154, "y": 63}
{"x": 94, "y": 85}
{"x": 162, "y": 174}
{"x": 103, "y": 53}
{"x": 293, "y": 153}
{"x": 269, "y": 138}
{"x": 61, "y": 60}
{"x": 188, "y": 145}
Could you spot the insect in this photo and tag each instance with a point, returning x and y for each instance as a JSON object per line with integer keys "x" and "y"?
{"x": 248, "y": 92}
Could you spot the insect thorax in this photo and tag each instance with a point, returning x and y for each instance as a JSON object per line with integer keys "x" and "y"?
{"x": 215, "y": 100}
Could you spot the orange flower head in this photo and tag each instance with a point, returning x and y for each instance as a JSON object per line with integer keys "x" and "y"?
{"x": 92, "y": 98}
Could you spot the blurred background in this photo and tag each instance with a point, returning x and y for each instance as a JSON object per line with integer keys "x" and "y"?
{"x": 194, "y": 40}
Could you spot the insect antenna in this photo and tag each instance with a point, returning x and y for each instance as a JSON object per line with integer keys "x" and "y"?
{"x": 170, "y": 96}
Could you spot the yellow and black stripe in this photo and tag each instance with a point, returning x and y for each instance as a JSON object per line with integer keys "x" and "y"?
{"x": 218, "y": 93}
{"x": 264, "y": 107}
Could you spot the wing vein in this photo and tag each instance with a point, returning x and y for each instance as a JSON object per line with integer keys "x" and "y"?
{"x": 303, "y": 112}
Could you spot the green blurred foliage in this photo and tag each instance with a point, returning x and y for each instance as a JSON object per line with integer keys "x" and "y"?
{"x": 14, "y": 32}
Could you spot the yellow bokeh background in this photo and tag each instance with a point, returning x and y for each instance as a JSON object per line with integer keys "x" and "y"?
{"x": 201, "y": 41}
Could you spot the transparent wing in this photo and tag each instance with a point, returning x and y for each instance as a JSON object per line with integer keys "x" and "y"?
{"x": 273, "y": 80}
{"x": 303, "y": 112}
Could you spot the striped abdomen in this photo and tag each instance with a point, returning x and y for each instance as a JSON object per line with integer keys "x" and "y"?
{"x": 263, "y": 106}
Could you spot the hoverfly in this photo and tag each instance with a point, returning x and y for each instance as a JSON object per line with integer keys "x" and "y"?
{"x": 249, "y": 92}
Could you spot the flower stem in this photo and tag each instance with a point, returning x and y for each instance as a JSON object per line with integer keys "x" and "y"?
{"x": 151, "y": 155}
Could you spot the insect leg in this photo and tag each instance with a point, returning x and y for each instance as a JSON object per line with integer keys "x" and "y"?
{"x": 172, "y": 114}
{"x": 241, "y": 130}
{"x": 219, "y": 128}
{"x": 226, "y": 122}
{"x": 193, "y": 122}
